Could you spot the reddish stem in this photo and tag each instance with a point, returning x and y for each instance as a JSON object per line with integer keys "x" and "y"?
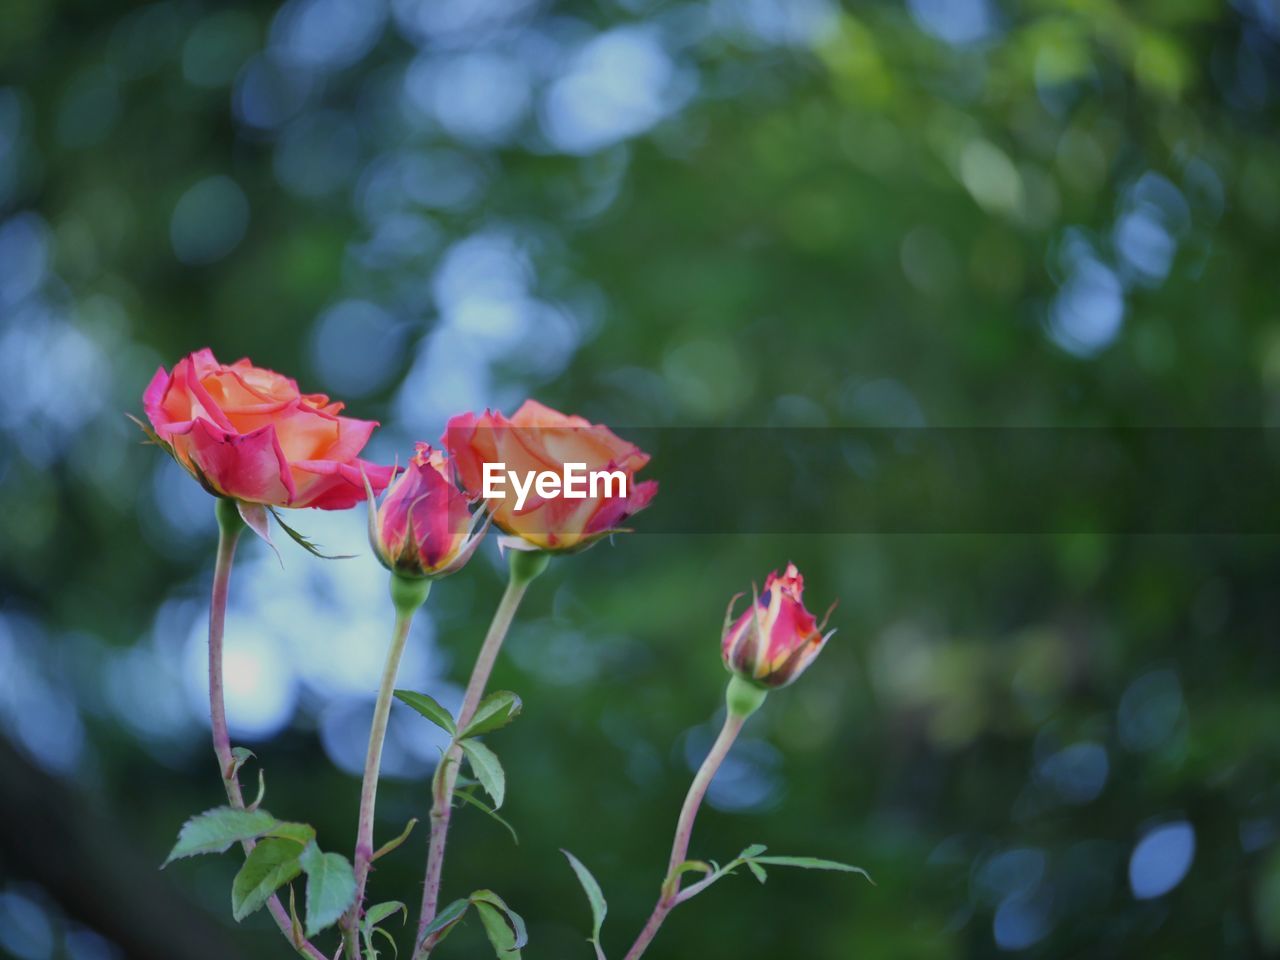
{"x": 670, "y": 895}
{"x": 229, "y": 527}
{"x": 372, "y": 765}
{"x": 524, "y": 567}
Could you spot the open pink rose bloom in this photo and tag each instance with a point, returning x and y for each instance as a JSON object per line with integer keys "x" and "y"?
{"x": 249, "y": 433}
{"x": 538, "y": 438}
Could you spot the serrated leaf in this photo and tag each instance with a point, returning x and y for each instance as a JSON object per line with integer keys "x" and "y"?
{"x": 445, "y": 920}
{"x": 215, "y": 830}
{"x": 495, "y": 712}
{"x": 811, "y": 863}
{"x": 475, "y": 801}
{"x": 331, "y": 887}
{"x": 488, "y": 770}
{"x": 306, "y": 544}
{"x": 595, "y": 897}
{"x": 752, "y": 851}
{"x": 504, "y": 927}
{"x": 391, "y": 845}
{"x": 269, "y": 866}
{"x": 757, "y": 870}
{"x": 429, "y": 708}
{"x": 299, "y": 833}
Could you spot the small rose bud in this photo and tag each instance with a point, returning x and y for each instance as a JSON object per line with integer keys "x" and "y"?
{"x": 774, "y": 640}
{"x": 423, "y": 528}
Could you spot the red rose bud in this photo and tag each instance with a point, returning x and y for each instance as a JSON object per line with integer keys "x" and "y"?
{"x": 776, "y": 639}
{"x": 423, "y": 528}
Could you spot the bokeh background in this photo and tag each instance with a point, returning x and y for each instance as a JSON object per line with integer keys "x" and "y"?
{"x": 657, "y": 213}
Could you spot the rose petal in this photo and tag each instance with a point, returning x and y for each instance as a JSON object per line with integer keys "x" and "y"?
{"x": 248, "y": 467}
{"x": 328, "y": 485}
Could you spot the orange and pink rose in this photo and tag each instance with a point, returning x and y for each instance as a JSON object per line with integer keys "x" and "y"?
{"x": 537, "y": 439}
{"x": 249, "y": 433}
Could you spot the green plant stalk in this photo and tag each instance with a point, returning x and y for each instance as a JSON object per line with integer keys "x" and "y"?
{"x": 230, "y": 525}
{"x": 524, "y": 567}
{"x": 742, "y": 699}
{"x": 408, "y": 595}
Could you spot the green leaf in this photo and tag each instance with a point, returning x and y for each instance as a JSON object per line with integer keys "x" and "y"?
{"x": 306, "y": 544}
{"x": 369, "y": 926}
{"x": 269, "y": 866}
{"x": 239, "y": 757}
{"x": 390, "y": 845}
{"x": 469, "y": 797}
{"x": 504, "y": 927}
{"x": 331, "y": 887}
{"x": 429, "y": 708}
{"x": 215, "y": 830}
{"x": 488, "y": 770}
{"x": 595, "y": 896}
{"x": 395, "y": 949}
{"x": 445, "y": 920}
{"x": 757, "y": 870}
{"x": 380, "y": 911}
{"x": 299, "y": 833}
{"x": 752, "y": 851}
{"x": 811, "y": 863}
{"x": 495, "y": 712}
{"x": 295, "y": 925}
{"x": 262, "y": 790}
{"x": 693, "y": 866}
{"x": 672, "y": 883}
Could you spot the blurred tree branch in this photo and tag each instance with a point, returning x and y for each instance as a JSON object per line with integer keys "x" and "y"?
{"x": 53, "y": 836}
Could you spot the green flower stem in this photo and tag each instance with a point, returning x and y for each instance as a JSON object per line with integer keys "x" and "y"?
{"x": 524, "y": 567}
{"x": 230, "y": 525}
{"x": 407, "y": 595}
{"x": 742, "y": 699}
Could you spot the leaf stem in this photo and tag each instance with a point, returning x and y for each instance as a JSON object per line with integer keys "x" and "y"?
{"x": 230, "y": 526}
{"x": 671, "y": 895}
{"x": 408, "y": 596}
{"x": 524, "y": 567}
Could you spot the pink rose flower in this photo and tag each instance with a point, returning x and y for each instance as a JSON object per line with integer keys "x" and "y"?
{"x": 776, "y": 638}
{"x": 537, "y": 438}
{"x": 250, "y": 434}
{"x": 423, "y": 528}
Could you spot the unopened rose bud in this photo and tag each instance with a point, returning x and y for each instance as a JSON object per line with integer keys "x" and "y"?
{"x": 423, "y": 527}
{"x": 776, "y": 639}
